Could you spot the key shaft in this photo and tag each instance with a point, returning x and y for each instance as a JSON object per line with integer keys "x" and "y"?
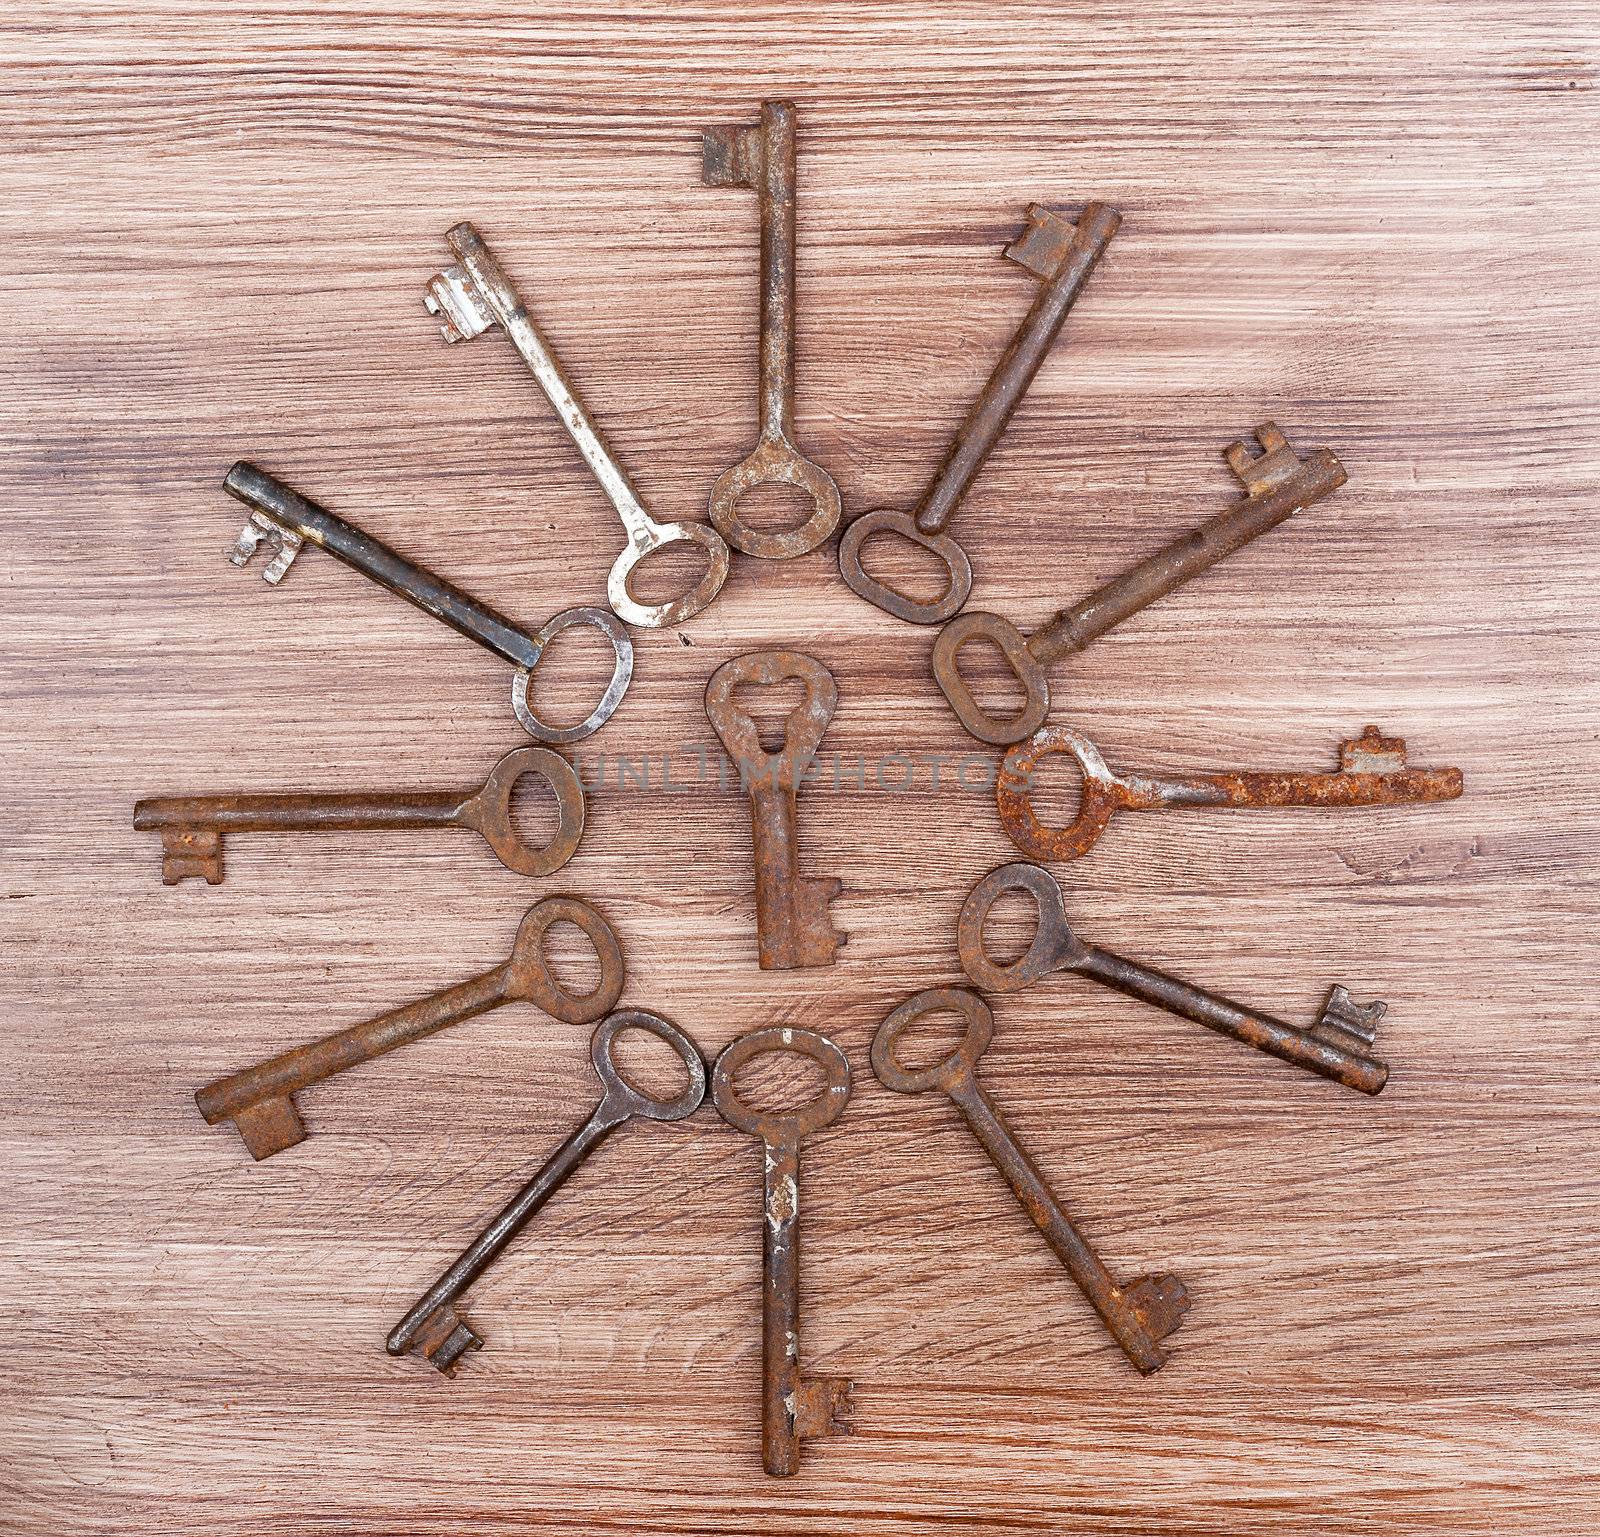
{"x": 386, "y": 566}
{"x": 433, "y": 1325}
{"x": 259, "y": 1100}
{"x": 1065, "y": 274}
{"x": 1138, "y": 1316}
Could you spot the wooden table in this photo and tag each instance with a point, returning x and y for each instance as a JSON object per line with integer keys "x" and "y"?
{"x": 1374, "y": 224}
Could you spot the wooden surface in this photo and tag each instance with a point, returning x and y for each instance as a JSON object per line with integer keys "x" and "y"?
{"x": 1376, "y": 224}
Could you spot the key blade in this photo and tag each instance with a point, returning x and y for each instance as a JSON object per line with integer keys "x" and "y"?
{"x": 1160, "y": 1302}
{"x": 1044, "y": 244}
{"x": 453, "y": 299}
{"x": 822, "y": 1407}
{"x": 191, "y": 853}
{"x": 729, "y": 156}
{"x": 270, "y": 1126}
{"x": 285, "y": 544}
{"x": 1347, "y": 1023}
{"x": 1372, "y": 753}
{"x": 445, "y": 1337}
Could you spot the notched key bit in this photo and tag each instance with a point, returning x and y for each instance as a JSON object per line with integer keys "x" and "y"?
{"x": 284, "y": 543}
{"x": 453, "y": 299}
{"x": 1344, "y": 1021}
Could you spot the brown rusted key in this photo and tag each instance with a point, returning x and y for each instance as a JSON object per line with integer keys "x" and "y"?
{"x": 192, "y": 827}
{"x": 1140, "y": 1314}
{"x": 259, "y": 1100}
{"x": 793, "y": 1406}
{"x": 793, "y": 928}
{"x": 1372, "y": 772}
{"x": 762, "y": 155}
{"x": 1063, "y": 254}
{"x": 434, "y": 1327}
{"x": 1336, "y": 1046}
{"x": 1277, "y": 485}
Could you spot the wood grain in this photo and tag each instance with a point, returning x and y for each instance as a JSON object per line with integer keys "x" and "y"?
{"x": 1374, "y": 223}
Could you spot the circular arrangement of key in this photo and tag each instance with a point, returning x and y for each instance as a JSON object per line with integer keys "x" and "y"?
{"x": 793, "y": 928}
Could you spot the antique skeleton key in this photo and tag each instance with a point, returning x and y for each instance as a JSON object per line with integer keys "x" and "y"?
{"x": 475, "y": 294}
{"x": 285, "y": 520}
{"x": 434, "y": 1327}
{"x": 259, "y": 1100}
{"x": 793, "y": 928}
{"x": 794, "y": 1406}
{"x": 762, "y": 155}
{"x": 1337, "y": 1046}
{"x": 1062, "y": 254}
{"x": 192, "y": 827}
{"x": 1372, "y": 772}
{"x": 1139, "y": 1314}
{"x": 1277, "y": 485}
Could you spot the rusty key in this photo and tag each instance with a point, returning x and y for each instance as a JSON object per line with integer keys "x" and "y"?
{"x": 1277, "y": 485}
{"x": 285, "y": 521}
{"x": 1063, "y": 254}
{"x": 761, "y": 155}
{"x": 434, "y": 1327}
{"x": 1336, "y": 1046}
{"x": 793, "y": 928}
{"x": 794, "y": 1406}
{"x": 1140, "y": 1314}
{"x": 192, "y": 827}
{"x": 1372, "y": 772}
{"x": 475, "y": 294}
{"x": 259, "y": 1100}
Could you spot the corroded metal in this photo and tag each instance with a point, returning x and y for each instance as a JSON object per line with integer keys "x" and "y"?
{"x": 281, "y": 514}
{"x": 434, "y": 1327}
{"x": 793, "y": 928}
{"x": 1139, "y": 1314}
{"x": 793, "y": 1406}
{"x": 259, "y": 1100}
{"x": 1331, "y": 1047}
{"x": 475, "y": 294}
{"x": 1277, "y": 485}
{"x": 761, "y": 155}
{"x": 1063, "y": 253}
{"x": 1372, "y": 772}
{"x": 192, "y": 827}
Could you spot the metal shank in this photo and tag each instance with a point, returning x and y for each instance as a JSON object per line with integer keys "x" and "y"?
{"x": 619, "y": 1103}
{"x": 1386, "y": 781}
{"x": 1056, "y": 948}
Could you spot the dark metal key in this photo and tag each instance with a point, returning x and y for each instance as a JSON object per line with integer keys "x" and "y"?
{"x": 1139, "y": 1314}
{"x": 1372, "y": 772}
{"x": 284, "y": 519}
{"x": 1336, "y": 1046}
{"x": 434, "y": 1328}
{"x": 793, "y": 928}
{"x": 762, "y": 155}
{"x": 259, "y": 1100}
{"x": 1277, "y": 485}
{"x": 1063, "y": 254}
{"x": 192, "y": 827}
{"x": 793, "y": 1406}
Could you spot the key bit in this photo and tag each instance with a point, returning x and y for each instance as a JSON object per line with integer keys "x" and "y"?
{"x": 731, "y": 156}
{"x": 283, "y": 542}
{"x": 444, "y": 1337}
{"x": 1343, "y": 1018}
{"x": 1272, "y": 467}
{"x": 190, "y": 853}
{"x": 453, "y": 299}
{"x": 822, "y": 1407}
{"x": 1044, "y": 246}
{"x": 1373, "y": 753}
